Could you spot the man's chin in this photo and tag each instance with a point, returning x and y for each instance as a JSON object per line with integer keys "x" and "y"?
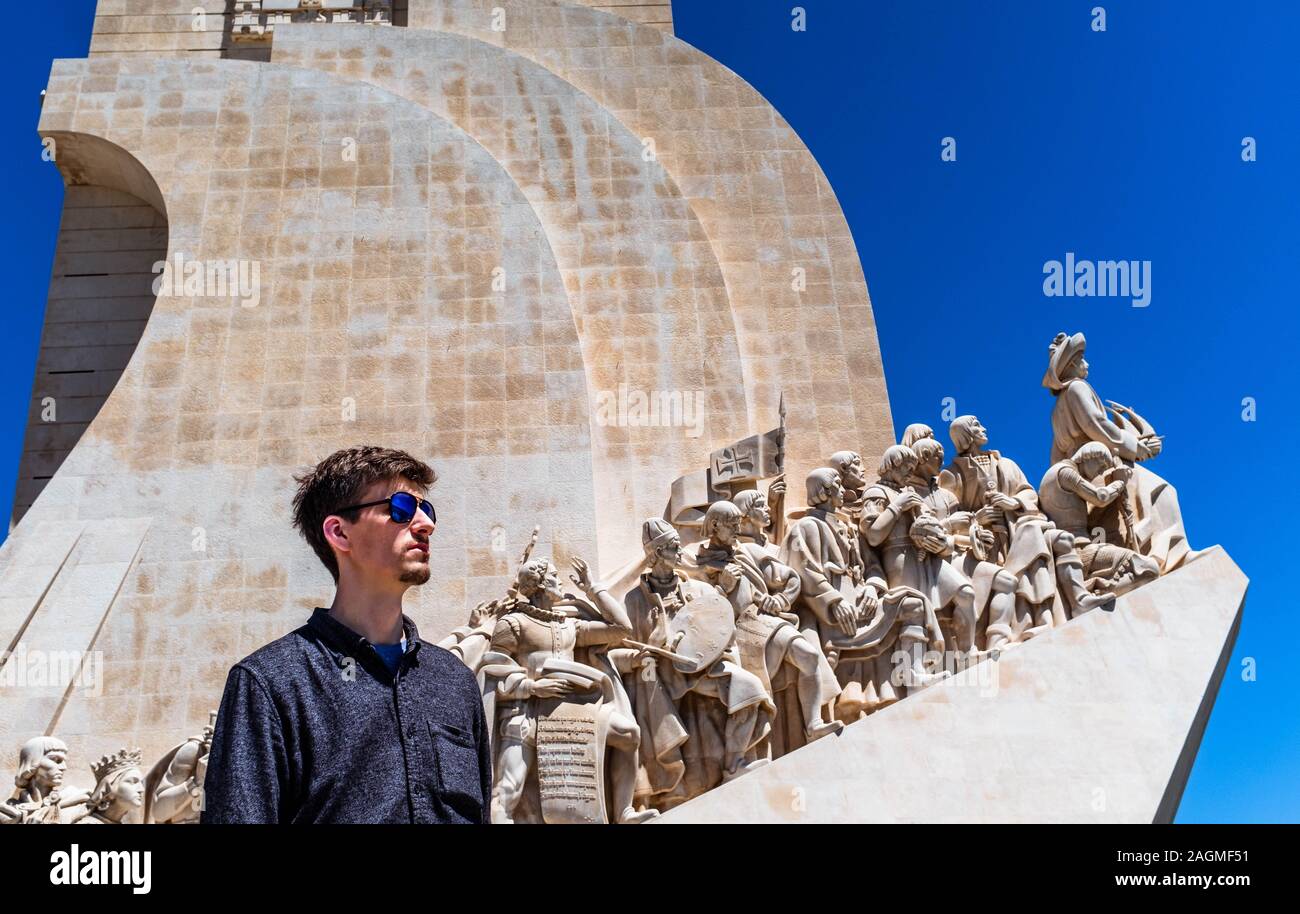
{"x": 418, "y": 575}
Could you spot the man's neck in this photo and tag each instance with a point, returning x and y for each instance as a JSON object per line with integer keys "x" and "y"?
{"x": 663, "y": 575}
{"x": 375, "y": 616}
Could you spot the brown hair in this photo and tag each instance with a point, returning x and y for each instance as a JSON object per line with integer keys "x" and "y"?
{"x": 339, "y": 480}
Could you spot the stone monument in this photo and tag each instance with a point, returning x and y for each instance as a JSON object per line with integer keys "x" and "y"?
{"x": 579, "y": 266}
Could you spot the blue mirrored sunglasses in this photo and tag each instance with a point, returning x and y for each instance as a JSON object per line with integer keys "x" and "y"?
{"x": 401, "y": 507}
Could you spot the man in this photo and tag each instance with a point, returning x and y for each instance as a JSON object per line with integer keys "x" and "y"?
{"x": 761, "y": 591}
{"x": 1068, "y": 492}
{"x": 556, "y": 660}
{"x": 352, "y": 717}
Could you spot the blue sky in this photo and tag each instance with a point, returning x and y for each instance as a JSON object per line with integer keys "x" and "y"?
{"x": 1123, "y": 144}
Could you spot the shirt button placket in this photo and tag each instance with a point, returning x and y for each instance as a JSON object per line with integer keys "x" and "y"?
{"x": 410, "y": 746}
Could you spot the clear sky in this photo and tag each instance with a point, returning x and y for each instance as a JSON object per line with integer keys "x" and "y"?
{"x": 1122, "y": 144}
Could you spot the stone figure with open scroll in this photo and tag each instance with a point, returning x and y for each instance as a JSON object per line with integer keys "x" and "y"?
{"x": 771, "y": 645}
{"x": 560, "y": 704}
{"x": 1147, "y": 519}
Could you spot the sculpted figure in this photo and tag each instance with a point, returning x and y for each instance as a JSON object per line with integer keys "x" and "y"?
{"x": 1148, "y": 518}
{"x": 472, "y": 641}
{"x": 1068, "y": 493}
{"x": 915, "y": 432}
{"x": 914, "y": 546}
{"x": 1048, "y": 570}
{"x": 40, "y": 796}
{"x": 840, "y": 599}
{"x": 174, "y": 786}
{"x": 853, "y": 479}
{"x": 119, "y": 789}
{"x": 703, "y": 716}
{"x": 549, "y": 694}
{"x": 995, "y": 588}
{"x": 771, "y": 646}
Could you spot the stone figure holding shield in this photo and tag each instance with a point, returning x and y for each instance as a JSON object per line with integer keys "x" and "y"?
{"x": 702, "y": 715}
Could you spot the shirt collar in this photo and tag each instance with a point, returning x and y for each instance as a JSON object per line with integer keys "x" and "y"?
{"x": 348, "y": 642}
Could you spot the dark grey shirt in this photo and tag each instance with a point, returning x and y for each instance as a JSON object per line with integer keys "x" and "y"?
{"x": 314, "y": 728}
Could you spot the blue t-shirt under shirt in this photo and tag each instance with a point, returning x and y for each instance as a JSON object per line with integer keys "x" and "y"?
{"x": 391, "y": 654}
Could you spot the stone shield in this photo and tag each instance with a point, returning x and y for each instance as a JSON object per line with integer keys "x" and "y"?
{"x": 707, "y": 624}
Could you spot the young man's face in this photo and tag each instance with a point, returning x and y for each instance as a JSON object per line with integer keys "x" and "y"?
{"x": 930, "y": 463}
{"x": 382, "y": 550}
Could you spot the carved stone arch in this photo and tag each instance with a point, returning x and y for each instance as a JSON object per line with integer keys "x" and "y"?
{"x": 648, "y": 296}
{"x": 761, "y": 196}
{"x": 113, "y": 232}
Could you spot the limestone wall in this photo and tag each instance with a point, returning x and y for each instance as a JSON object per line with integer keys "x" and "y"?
{"x": 644, "y": 207}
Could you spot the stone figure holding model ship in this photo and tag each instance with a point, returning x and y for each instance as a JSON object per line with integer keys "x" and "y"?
{"x": 1147, "y": 519}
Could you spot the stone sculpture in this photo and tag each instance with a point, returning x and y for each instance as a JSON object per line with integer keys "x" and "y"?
{"x": 119, "y": 790}
{"x": 1047, "y": 568}
{"x": 40, "y": 796}
{"x": 560, "y": 704}
{"x": 840, "y": 599}
{"x": 1078, "y": 487}
{"x": 1148, "y": 519}
{"x": 994, "y": 588}
{"x": 703, "y": 717}
{"x": 762, "y": 591}
{"x": 693, "y": 668}
{"x": 174, "y": 785}
{"x": 914, "y": 546}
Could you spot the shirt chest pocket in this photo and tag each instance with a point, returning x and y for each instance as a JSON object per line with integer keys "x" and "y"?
{"x": 456, "y": 773}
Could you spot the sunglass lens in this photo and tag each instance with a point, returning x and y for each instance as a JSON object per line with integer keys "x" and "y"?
{"x": 428, "y": 509}
{"x": 401, "y": 507}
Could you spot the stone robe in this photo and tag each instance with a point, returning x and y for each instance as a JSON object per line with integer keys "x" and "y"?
{"x": 690, "y": 722}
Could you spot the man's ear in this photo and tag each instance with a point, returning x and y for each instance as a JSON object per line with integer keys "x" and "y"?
{"x": 336, "y": 533}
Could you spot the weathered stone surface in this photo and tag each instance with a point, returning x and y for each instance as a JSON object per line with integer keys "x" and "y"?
{"x": 666, "y": 266}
